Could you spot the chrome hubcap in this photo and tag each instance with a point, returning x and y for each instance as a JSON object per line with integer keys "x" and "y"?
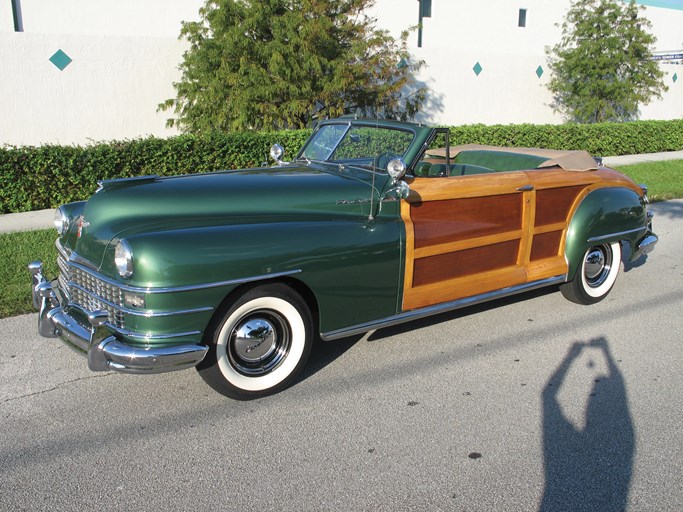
{"x": 597, "y": 265}
{"x": 258, "y": 343}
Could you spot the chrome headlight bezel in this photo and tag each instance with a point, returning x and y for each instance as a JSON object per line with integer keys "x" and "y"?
{"x": 123, "y": 258}
{"x": 61, "y": 221}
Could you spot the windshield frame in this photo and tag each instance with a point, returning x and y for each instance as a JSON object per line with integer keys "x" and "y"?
{"x": 365, "y": 162}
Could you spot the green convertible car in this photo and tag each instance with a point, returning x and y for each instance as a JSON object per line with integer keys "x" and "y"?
{"x": 373, "y": 223}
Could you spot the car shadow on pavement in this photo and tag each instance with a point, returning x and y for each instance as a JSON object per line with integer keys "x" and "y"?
{"x": 630, "y": 265}
{"x": 463, "y": 312}
{"x": 587, "y": 467}
{"x": 324, "y": 353}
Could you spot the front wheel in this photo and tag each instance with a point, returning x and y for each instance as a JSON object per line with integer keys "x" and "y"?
{"x": 595, "y": 276}
{"x": 259, "y": 344}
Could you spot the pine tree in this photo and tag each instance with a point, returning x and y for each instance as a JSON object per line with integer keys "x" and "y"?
{"x": 602, "y": 66}
{"x": 272, "y": 64}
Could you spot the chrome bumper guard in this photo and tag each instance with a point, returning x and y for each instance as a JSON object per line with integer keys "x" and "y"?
{"x": 94, "y": 340}
{"x": 647, "y": 244}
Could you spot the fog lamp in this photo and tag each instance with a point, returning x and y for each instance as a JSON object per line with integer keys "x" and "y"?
{"x": 134, "y": 300}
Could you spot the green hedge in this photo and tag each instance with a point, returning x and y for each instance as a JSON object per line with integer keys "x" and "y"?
{"x": 602, "y": 139}
{"x": 33, "y": 178}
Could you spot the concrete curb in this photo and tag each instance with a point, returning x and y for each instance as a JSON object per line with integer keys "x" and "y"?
{"x": 27, "y": 221}
{"x": 617, "y": 161}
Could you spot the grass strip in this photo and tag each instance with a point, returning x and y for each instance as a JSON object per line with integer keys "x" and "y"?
{"x": 17, "y": 250}
{"x": 664, "y": 179}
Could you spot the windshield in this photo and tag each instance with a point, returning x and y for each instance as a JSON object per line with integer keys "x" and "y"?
{"x": 358, "y": 145}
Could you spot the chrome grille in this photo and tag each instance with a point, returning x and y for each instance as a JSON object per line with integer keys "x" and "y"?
{"x": 90, "y": 292}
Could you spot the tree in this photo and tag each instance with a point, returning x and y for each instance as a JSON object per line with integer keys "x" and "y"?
{"x": 602, "y": 66}
{"x": 272, "y": 64}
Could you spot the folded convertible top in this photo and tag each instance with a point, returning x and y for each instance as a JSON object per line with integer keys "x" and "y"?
{"x": 567, "y": 160}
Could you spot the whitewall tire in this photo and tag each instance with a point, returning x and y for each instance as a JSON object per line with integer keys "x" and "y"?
{"x": 259, "y": 343}
{"x": 596, "y": 274}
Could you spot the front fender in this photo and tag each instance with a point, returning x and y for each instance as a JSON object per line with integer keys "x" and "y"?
{"x": 605, "y": 215}
{"x": 351, "y": 265}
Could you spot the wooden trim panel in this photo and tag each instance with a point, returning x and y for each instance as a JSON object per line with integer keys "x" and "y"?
{"x": 443, "y": 267}
{"x": 467, "y": 286}
{"x": 470, "y": 243}
{"x": 465, "y": 235}
{"x": 438, "y": 222}
{"x": 475, "y": 234}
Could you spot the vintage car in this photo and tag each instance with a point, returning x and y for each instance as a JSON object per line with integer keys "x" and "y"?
{"x": 372, "y": 224}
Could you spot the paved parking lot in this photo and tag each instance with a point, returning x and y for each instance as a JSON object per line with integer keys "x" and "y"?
{"x": 521, "y": 404}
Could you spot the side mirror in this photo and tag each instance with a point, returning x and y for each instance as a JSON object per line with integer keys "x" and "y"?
{"x": 276, "y": 153}
{"x": 402, "y": 190}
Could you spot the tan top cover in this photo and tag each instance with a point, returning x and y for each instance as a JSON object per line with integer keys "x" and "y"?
{"x": 567, "y": 160}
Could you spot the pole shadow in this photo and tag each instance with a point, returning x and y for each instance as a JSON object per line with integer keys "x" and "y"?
{"x": 588, "y": 468}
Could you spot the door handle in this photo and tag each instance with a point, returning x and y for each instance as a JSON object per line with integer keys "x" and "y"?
{"x": 525, "y": 188}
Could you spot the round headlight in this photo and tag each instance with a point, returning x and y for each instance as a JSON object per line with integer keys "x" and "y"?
{"x": 396, "y": 169}
{"x": 123, "y": 257}
{"x": 61, "y": 221}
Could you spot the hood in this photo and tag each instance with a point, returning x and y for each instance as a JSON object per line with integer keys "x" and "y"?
{"x": 123, "y": 208}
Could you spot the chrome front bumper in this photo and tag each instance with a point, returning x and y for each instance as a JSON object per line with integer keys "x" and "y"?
{"x": 95, "y": 340}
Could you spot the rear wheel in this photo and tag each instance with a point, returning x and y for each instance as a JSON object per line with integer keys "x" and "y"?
{"x": 596, "y": 275}
{"x": 259, "y": 344}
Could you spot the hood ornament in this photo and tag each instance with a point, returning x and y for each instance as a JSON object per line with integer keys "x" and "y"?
{"x": 80, "y": 224}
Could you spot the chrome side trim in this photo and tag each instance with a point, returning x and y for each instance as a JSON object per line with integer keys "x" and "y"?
{"x": 408, "y": 316}
{"x": 147, "y": 313}
{"x": 149, "y": 337}
{"x": 187, "y": 288}
{"x": 611, "y": 235}
{"x": 125, "y": 332}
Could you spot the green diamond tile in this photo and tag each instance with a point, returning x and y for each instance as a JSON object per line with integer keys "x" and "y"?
{"x": 60, "y": 59}
{"x": 477, "y": 69}
{"x": 675, "y": 77}
{"x": 539, "y": 71}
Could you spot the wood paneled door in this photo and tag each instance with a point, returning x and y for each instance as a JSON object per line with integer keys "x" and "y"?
{"x": 467, "y": 235}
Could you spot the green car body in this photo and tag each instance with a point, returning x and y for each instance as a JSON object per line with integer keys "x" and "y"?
{"x": 152, "y": 268}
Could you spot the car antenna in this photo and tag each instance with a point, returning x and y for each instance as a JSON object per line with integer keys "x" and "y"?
{"x": 371, "y": 217}
{"x": 372, "y": 197}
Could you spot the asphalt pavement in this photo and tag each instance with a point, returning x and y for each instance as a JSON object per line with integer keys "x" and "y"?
{"x": 528, "y": 403}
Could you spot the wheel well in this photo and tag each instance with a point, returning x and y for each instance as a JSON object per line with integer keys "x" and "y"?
{"x": 302, "y": 289}
{"x": 624, "y": 245}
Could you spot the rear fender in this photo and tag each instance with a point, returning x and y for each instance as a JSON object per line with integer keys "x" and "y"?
{"x": 606, "y": 215}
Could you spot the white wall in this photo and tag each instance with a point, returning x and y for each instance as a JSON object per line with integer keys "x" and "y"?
{"x": 6, "y": 19}
{"x": 135, "y": 18}
{"x": 126, "y": 53}
{"x": 125, "y": 56}
{"x": 109, "y": 91}
{"x": 460, "y": 34}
